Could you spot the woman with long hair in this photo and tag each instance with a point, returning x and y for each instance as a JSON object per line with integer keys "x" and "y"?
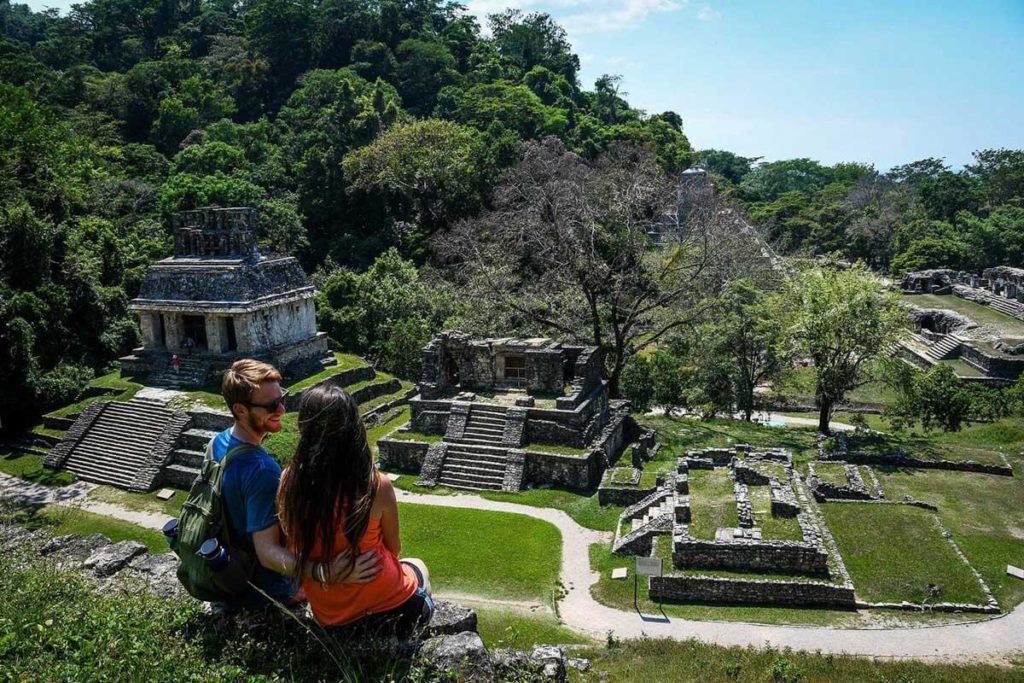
{"x": 331, "y": 498}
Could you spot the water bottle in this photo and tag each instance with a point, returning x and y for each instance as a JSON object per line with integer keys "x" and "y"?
{"x": 230, "y": 573}
{"x": 170, "y": 530}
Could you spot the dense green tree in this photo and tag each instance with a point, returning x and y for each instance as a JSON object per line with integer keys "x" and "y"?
{"x": 428, "y": 173}
{"x": 844, "y": 321}
{"x": 534, "y": 39}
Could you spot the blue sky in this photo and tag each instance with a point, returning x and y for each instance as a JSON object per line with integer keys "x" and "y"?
{"x": 883, "y": 82}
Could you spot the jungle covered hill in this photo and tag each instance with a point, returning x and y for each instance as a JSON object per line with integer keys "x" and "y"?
{"x": 364, "y": 133}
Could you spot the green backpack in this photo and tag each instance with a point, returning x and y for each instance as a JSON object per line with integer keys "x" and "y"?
{"x": 203, "y": 516}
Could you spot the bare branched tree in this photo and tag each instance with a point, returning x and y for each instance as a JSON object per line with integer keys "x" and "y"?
{"x": 595, "y": 252}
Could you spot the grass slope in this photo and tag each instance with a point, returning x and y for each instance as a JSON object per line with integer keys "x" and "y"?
{"x": 495, "y": 554}
{"x": 874, "y": 541}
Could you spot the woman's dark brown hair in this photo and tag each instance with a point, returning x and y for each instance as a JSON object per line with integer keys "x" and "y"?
{"x": 331, "y": 476}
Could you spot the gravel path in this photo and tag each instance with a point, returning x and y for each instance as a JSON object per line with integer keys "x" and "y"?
{"x": 997, "y": 638}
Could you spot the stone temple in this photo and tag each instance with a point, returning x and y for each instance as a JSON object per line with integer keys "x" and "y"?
{"x": 217, "y": 299}
{"x": 506, "y": 413}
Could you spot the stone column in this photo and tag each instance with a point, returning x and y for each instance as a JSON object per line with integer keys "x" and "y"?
{"x": 243, "y": 336}
{"x": 175, "y": 331}
{"x": 149, "y": 323}
{"x": 216, "y": 334}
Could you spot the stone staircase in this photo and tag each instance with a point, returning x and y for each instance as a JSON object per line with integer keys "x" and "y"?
{"x": 187, "y": 457}
{"x": 485, "y": 426}
{"x": 947, "y": 347}
{"x": 478, "y": 459}
{"x": 641, "y": 522}
{"x": 119, "y": 443}
{"x": 474, "y": 467}
{"x": 192, "y": 373}
{"x": 1010, "y": 307}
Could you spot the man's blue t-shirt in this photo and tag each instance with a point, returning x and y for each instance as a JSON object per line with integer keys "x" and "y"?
{"x": 249, "y": 491}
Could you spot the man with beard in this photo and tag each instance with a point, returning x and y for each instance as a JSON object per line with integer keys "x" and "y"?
{"x": 253, "y": 392}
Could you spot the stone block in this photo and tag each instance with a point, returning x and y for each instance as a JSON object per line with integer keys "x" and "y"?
{"x": 113, "y": 558}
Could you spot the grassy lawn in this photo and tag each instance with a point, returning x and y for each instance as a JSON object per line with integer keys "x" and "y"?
{"x": 583, "y": 507}
{"x": 61, "y": 520}
{"x": 145, "y": 502}
{"x": 798, "y": 383}
{"x": 553, "y": 448}
{"x": 493, "y": 554}
{"x": 712, "y": 502}
{"x": 650, "y": 659}
{"x": 831, "y": 473}
{"x": 500, "y": 627}
{"x": 983, "y": 513}
{"x": 346, "y": 361}
{"x": 980, "y": 314}
{"x": 983, "y": 442}
{"x": 417, "y": 436}
{"x": 776, "y": 528}
{"x": 29, "y": 466}
{"x": 680, "y": 434}
{"x": 874, "y": 540}
{"x": 380, "y": 400}
{"x": 382, "y": 429}
{"x": 112, "y": 380}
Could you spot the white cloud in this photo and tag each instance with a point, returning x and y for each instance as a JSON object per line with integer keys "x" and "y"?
{"x": 708, "y": 13}
{"x": 582, "y": 16}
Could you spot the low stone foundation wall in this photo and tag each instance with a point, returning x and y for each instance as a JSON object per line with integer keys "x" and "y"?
{"x": 397, "y": 454}
{"x": 1004, "y": 367}
{"x": 613, "y": 495}
{"x": 372, "y": 391}
{"x": 718, "y": 590}
{"x": 429, "y": 417}
{"x": 901, "y": 460}
{"x": 342, "y": 379}
{"x": 571, "y": 471}
{"x": 787, "y": 557}
{"x": 57, "y": 422}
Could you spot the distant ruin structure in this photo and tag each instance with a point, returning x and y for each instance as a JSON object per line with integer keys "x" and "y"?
{"x": 986, "y": 354}
{"x": 511, "y": 413}
{"x": 218, "y": 298}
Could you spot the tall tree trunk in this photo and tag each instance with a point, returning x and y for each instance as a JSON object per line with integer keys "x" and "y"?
{"x": 824, "y": 413}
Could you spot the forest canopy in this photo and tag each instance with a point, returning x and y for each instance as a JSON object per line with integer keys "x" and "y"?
{"x": 361, "y": 131}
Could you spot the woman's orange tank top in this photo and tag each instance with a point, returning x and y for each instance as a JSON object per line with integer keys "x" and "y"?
{"x": 344, "y": 603}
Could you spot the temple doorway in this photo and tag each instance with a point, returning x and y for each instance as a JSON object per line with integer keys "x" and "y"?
{"x": 195, "y": 329}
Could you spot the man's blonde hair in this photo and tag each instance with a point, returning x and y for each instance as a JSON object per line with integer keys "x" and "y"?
{"x": 243, "y": 378}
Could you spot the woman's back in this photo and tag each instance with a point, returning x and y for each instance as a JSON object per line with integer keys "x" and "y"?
{"x": 342, "y": 603}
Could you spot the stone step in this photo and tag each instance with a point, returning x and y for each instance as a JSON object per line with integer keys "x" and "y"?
{"x": 458, "y": 482}
{"x": 469, "y": 440}
{"x": 485, "y": 427}
{"x": 480, "y": 473}
{"x": 465, "y": 456}
{"x": 486, "y": 419}
{"x": 487, "y": 410}
{"x": 102, "y": 475}
{"x": 196, "y": 439}
{"x": 101, "y": 457}
{"x": 477, "y": 451}
{"x": 188, "y": 457}
{"x": 483, "y": 466}
{"x": 179, "y": 475}
{"x": 487, "y": 438}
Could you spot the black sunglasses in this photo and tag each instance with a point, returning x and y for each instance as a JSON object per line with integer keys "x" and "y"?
{"x": 269, "y": 406}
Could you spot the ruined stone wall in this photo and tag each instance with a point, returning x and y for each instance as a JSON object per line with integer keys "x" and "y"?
{"x": 569, "y": 471}
{"x": 716, "y": 590}
{"x": 397, "y": 454}
{"x": 748, "y": 555}
{"x": 429, "y": 417}
{"x": 995, "y": 366}
{"x": 544, "y": 370}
